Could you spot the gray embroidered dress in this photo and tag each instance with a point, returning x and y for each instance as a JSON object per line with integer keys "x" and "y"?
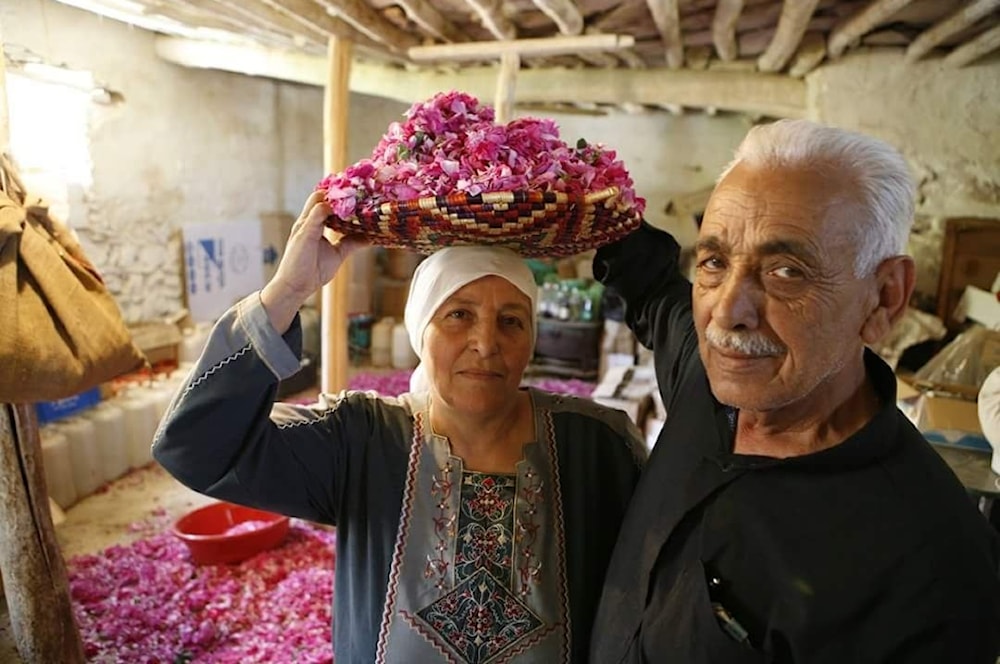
{"x": 434, "y": 563}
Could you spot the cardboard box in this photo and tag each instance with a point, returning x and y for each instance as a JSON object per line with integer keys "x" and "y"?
{"x": 275, "y": 227}
{"x": 628, "y": 388}
{"x": 951, "y": 421}
{"x": 223, "y": 262}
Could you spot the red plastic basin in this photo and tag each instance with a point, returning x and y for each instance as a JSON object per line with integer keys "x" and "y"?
{"x": 223, "y": 533}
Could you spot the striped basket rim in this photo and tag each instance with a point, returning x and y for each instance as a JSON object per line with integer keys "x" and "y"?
{"x": 532, "y": 223}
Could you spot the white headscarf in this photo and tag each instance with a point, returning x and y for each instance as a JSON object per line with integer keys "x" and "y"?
{"x": 444, "y": 272}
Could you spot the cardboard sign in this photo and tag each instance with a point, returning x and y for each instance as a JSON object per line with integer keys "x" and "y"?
{"x": 222, "y": 264}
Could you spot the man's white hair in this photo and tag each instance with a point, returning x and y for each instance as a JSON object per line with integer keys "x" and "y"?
{"x": 885, "y": 190}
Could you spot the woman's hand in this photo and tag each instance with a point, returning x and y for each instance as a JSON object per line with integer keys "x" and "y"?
{"x": 310, "y": 260}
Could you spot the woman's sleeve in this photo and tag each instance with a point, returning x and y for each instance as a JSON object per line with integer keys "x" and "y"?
{"x": 223, "y": 435}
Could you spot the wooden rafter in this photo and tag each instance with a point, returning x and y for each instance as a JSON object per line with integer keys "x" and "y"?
{"x": 856, "y": 26}
{"x": 313, "y": 18}
{"x": 666, "y": 16}
{"x": 727, "y": 13}
{"x": 795, "y": 16}
{"x": 186, "y": 14}
{"x": 367, "y": 20}
{"x": 744, "y": 91}
{"x": 961, "y": 19}
{"x": 564, "y": 13}
{"x": 971, "y": 51}
{"x": 430, "y": 19}
{"x": 524, "y": 47}
{"x": 490, "y": 14}
{"x": 257, "y": 16}
{"x": 810, "y": 53}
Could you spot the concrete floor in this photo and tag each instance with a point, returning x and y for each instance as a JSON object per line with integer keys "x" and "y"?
{"x": 112, "y": 516}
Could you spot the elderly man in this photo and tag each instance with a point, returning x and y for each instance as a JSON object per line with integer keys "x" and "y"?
{"x": 789, "y": 511}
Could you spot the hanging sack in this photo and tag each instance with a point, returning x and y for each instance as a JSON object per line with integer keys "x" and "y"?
{"x": 61, "y": 331}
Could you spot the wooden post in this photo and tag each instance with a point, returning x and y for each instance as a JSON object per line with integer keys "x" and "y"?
{"x": 506, "y": 86}
{"x": 36, "y": 587}
{"x": 333, "y": 321}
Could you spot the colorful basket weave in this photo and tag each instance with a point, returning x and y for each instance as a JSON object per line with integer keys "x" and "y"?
{"x": 531, "y": 223}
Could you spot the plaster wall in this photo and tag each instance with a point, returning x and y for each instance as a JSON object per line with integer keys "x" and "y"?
{"x": 946, "y": 121}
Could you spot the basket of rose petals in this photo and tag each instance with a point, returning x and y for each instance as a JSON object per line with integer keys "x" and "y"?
{"x": 449, "y": 175}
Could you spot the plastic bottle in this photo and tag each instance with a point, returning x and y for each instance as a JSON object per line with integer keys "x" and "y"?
{"x": 58, "y": 466}
{"x": 381, "y": 343}
{"x": 84, "y": 454}
{"x": 403, "y": 356}
{"x": 109, "y": 428}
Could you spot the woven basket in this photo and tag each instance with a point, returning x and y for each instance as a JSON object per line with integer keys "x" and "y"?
{"x": 531, "y": 223}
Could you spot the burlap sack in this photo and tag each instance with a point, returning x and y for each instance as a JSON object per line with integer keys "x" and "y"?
{"x": 61, "y": 332}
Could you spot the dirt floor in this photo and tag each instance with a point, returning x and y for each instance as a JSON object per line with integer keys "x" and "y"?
{"x": 108, "y": 518}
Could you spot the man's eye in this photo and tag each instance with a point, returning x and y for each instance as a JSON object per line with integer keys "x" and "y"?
{"x": 711, "y": 264}
{"x": 787, "y": 272}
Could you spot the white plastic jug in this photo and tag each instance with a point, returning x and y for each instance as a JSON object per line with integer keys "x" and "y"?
{"x": 381, "y": 347}
{"x": 403, "y": 356}
{"x": 84, "y": 455}
{"x": 109, "y": 428}
{"x": 58, "y": 466}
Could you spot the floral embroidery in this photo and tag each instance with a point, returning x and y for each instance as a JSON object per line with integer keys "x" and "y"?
{"x": 527, "y": 532}
{"x": 444, "y": 524}
{"x": 483, "y": 616}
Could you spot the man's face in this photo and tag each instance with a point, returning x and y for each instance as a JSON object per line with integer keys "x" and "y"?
{"x": 777, "y": 307}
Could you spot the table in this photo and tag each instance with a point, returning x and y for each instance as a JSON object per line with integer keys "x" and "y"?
{"x": 973, "y": 470}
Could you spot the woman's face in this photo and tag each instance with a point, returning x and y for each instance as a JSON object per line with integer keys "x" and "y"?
{"x": 477, "y": 346}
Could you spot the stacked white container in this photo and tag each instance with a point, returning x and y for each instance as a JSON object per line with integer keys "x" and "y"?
{"x": 109, "y": 429}
{"x": 58, "y": 466}
{"x": 403, "y": 356}
{"x": 381, "y": 347}
{"x": 84, "y": 454}
{"x": 139, "y": 407}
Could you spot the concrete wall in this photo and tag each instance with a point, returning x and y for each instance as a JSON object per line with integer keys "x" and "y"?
{"x": 192, "y": 145}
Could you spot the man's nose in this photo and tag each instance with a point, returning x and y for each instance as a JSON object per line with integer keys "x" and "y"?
{"x": 739, "y": 302}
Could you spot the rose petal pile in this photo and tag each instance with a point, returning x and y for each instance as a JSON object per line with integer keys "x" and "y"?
{"x": 451, "y": 144}
{"x": 147, "y": 602}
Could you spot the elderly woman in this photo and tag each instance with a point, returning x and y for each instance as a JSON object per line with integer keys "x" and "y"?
{"x": 475, "y": 518}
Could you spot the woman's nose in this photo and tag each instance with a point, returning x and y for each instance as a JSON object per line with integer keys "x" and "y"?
{"x": 483, "y": 337}
{"x": 738, "y": 303}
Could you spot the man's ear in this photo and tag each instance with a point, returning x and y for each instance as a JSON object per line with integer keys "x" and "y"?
{"x": 895, "y": 278}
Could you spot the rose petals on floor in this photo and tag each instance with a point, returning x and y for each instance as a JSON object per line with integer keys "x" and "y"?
{"x": 147, "y": 603}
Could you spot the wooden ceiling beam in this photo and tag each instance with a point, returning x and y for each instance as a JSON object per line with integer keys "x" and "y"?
{"x": 370, "y": 22}
{"x": 727, "y": 13}
{"x": 959, "y": 20}
{"x": 985, "y": 43}
{"x": 795, "y": 17}
{"x": 549, "y": 46}
{"x": 862, "y": 22}
{"x": 432, "y": 21}
{"x": 314, "y": 19}
{"x": 810, "y": 53}
{"x": 771, "y": 95}
{"x": 666, "y": 16}
{"x": 186, "y": 14}
{"x": 258, "y": 16}
{"x": 564, "y": 13}
{"x": 490, "y": 15}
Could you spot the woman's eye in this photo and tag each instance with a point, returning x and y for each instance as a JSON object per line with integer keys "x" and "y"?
{"x": 458, "y": 314}
{"x": 512, "y": 321}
